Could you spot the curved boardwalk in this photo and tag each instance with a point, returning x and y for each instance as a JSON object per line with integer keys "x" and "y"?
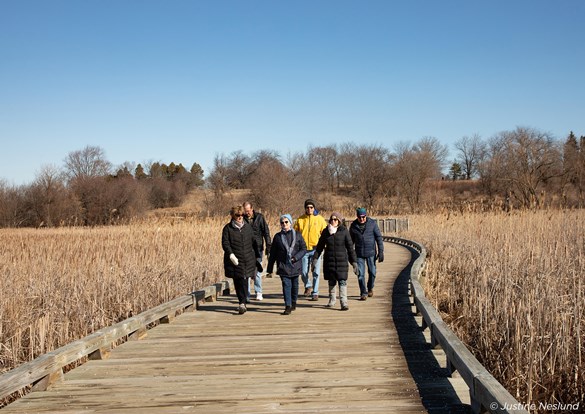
{"x": 215, "y": 361}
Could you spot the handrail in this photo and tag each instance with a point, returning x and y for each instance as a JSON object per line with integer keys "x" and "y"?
{"x": 48, "y": 368}
{"x": 487, "y": 394}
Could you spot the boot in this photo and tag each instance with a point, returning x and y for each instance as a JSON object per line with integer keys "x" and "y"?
{"x": 343, "y": 297}
{"x": 293, "y": 307}
{"x": 287, "y": 310}
{"x": 332, "y": 296}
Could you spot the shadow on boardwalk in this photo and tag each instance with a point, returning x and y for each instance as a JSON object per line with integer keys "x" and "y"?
{"x": 436, "y": 391}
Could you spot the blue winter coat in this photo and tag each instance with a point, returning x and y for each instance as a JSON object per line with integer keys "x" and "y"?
{"x": 286, "y": 267}
{"x": 365, "y": 242}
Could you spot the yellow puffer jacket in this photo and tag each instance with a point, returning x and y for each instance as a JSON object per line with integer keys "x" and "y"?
{"x": 310, "y": 227}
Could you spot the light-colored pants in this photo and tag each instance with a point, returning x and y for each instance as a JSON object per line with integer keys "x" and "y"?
{"x": 258, "y": 279}
{"x": 306, "y": 262}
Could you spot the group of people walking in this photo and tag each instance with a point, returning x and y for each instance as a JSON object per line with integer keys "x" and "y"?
{"x": 297, "y": 250}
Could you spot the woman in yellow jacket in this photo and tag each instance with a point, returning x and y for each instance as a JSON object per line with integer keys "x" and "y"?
{"x": 310, "y": 225}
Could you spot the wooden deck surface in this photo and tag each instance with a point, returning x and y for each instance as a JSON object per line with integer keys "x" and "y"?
{"x": 317, "y": 360}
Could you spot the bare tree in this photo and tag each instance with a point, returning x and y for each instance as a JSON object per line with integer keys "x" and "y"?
{"x": 415, "y": 165}
{"x": 88, "y": 162}
{"x": 218, "y": 177}
{"x": 49, "y": 202}
{"x": 521, "y": 162}
{"x": 271, "y": 185}
{"x": 10, "y": 205}
{"x": 470, "y": 151}
{"x": 367, "y": 169}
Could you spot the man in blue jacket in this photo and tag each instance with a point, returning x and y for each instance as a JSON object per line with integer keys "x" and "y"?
{"x": 366, "y": 236}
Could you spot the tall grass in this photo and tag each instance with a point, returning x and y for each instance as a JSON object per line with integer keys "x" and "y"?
{"x": 59, "y": 285}
{"x": 512, "y": 286}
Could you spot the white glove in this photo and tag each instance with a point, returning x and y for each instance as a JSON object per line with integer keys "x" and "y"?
{"x": 234, "y": 259}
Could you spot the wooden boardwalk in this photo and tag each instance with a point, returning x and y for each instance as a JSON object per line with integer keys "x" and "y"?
{"x": 216, "y": 361}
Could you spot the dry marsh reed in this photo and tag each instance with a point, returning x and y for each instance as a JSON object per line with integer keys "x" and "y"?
{"x": 59, "y": 285}
{"x": 512, "y": 286}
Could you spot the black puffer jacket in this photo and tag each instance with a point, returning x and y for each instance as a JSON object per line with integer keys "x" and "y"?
{"x": 242, "y": 243}
{"x": 338, "y": 250}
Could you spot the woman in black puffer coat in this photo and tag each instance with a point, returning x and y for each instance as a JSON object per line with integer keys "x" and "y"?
{"x": 337, "y": 247}
{"x": 240, "y": 253}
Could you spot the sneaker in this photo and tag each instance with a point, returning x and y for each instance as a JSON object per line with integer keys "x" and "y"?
{"x": 259, "y": 296}
{"x": 344, "y": 307}
{"x": 315, "y": 298}
{"x": 308, "y": 292}
{"x": 287, "y": 310}
{"x": 370, "y": 293}
{"x": 330, "y": 304}
{"x": 363, "y": 297}
{"x": 242, "y": 309}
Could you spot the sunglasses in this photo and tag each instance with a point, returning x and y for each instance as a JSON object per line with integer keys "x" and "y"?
{"x": 362, "y": 217}
{"x": 238, "y": 215}
{"x": 310, "y": 207}
{"x": 282, "y": 223}
{"x": 334, "y": 219}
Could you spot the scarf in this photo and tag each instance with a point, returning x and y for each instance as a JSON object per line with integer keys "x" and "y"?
{"x": 237, "y": 225}
{"x": 289, "y": 248}
{"x": 332, "y": 229}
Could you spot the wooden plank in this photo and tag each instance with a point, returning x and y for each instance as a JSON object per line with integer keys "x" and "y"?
{"x": 47, "y": 364}
{"x": 216, "y": 361}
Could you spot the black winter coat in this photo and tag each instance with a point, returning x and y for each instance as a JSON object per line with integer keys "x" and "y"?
{"x": 261, "y": 230}
{"x": 242, "y": 243}
{"x": 278, "y": 254}
{"x": 338, "y": 250}
{"x": 366, "y": 241}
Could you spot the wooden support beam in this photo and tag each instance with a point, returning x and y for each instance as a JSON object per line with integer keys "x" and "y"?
{"x": 99, "y": 354}
{"x": 138, "y": 334}
{"x": 44, "y": 383}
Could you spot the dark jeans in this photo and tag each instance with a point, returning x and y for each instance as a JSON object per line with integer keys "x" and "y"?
{"x": 290, "y": 289}
{"x": 241, "y": 286}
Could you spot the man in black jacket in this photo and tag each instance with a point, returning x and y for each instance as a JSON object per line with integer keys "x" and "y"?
{"x": 366, "y": 236}
{"x": 262, "y": 235}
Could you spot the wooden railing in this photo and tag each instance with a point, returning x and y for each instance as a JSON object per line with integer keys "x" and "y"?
{"x": 48, "y": 368}
{"x": 392, "y": 225}
{"x": 486, "y": 393}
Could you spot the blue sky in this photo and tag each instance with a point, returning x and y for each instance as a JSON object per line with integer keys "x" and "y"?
{"x": 182, "y": 81}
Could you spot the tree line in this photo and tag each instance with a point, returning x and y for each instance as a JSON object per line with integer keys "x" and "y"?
{"x": 521, "y": 168}
{"x": 86, "y": 191}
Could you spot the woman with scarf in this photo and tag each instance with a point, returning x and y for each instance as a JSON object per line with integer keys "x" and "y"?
{"x": 338, "y": 249}
{"x": 287, "y": 250}
{"x": 240, "y": 251}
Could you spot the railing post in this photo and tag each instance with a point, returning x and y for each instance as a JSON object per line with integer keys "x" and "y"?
{"x": 44, "y": 383}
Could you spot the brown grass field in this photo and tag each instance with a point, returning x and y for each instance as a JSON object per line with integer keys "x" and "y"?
{"x": 61, "y": 284}
{"x": 511, "y": 285}
{"x": 513, "y": 288}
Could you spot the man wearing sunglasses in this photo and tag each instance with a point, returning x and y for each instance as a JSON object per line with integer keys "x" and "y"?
{"x": 310, "y": 225}
{"x": 366, "y": 236}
